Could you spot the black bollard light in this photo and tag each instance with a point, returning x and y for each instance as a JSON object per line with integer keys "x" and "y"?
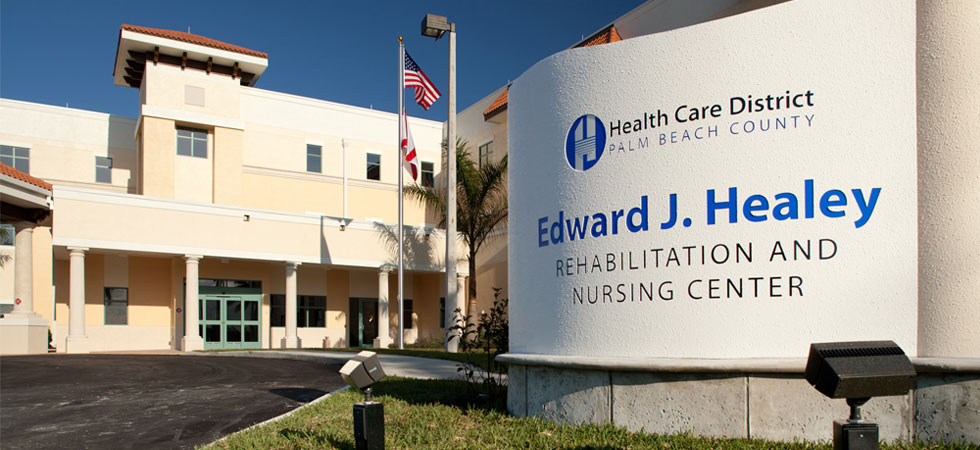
{"x": 369, "y": 416}
{"x": 858, "y": 371}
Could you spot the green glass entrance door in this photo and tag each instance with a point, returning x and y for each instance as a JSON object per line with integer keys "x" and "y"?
{"x": 230, "y": 321}
{"x": 363, "y": 321}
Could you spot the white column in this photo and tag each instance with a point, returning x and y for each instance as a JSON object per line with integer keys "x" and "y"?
{"x": 461, "y": 295}
{"x": 24, "y": 268}
{"x": 383, "y": 338}
{"x": 192, "y": 340}
{"x": 23, "y": 331}
{"x": 947, "y": 64}
{"x": 290, "y": 340}
{"x": 77, "y": 340}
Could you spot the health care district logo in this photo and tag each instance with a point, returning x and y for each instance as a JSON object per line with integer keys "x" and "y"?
{"x": 585, "y": 142}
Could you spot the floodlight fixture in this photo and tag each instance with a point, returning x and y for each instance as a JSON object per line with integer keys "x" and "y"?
{"x": 857, "y": 371}
{"x": 435, "y": 26}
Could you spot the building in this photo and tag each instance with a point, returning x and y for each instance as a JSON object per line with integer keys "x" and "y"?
{"x": 224, "y": 216}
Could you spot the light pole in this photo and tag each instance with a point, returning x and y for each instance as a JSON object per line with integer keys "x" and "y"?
{"x": 435, "y": 26}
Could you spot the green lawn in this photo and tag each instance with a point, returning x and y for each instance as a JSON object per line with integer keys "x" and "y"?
{"x": 444, "y": 414}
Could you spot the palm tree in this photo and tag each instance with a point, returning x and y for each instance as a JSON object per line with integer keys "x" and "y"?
{"x": 481, "y": 205}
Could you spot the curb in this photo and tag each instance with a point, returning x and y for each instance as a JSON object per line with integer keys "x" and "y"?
{"x": 283, "y": 415}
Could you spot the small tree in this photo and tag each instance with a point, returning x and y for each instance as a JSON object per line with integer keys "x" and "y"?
{"x": 489, "y": 339}
{"x": 481, "y": 205}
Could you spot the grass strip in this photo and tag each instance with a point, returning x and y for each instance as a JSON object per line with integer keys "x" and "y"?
{"x": 446, "y": 414}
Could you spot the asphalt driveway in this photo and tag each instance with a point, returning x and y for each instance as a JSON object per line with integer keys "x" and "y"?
{"x": 147, "y": 401}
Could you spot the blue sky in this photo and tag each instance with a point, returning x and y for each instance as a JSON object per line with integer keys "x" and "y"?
{"x": 62, "y": 52}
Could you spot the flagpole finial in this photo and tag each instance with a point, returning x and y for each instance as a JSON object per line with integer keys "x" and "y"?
{"x": 399, "y": 38}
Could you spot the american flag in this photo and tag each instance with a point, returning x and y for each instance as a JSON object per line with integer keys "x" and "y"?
{"x": 425, "y": 92}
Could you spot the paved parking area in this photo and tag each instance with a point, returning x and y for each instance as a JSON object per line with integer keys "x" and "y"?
{"x": 147, "y": 401}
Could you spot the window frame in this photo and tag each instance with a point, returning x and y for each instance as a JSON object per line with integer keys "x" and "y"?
{"x": 484, "y": 153}
{"x": 193, "y": 138}
{"x": 431, "y": 178}
{"x": 107, "y": 300}
{"x": 107, "y": 169}
{"x": 369, "y": 165}
{"x": 19, "y": 157}
{"x": 306, "y": 305}
{"x": 318, "y": 155}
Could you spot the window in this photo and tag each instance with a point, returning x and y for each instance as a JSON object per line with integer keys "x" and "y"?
{"x": 373, "y": 166}
{"x": 192, "y": 142}
{"x": 7, "y": 234}
{"x": 17, "y": 157}
{"x": 103, "y": 170}
{"x": 407, "y": 311}
{"x": 486, "y": 151}
{"x": 314, "y": 155}
{"x": 116, "y": 305}
{"x": 311, "y": 311}
{"x": 428, "y": 175}
{"x": 277, "y": 310}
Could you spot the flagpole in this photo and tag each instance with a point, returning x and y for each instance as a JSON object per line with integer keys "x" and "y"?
{"x": 401, "y": 169}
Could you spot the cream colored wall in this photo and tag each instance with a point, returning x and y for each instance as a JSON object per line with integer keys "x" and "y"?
{"x": 64, "y": 143}
{"x": 427, "y": 289}
{"x": 338, "y": 296}
{"x": 227, "y": 186}
{"x": 159, "y": 143}
{"x": 278, "y": 128}
{"x": 94, "y": 289}
{"x": 305, "y": 194}
{"x": 150, "y": 292}
{"x": 167, "y": 86}
{"x": 192, "y": 175}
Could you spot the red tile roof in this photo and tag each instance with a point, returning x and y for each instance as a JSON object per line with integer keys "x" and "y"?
{"x": 193, "y": 39}
{"x": 606, "y": 36}
{"x": 18, "y": 175}
{"x": 498, "y": 106}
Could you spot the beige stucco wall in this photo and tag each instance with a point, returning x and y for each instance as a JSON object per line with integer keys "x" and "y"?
{"x": 427, "y": 289}
{"x": 149, "y": 292}
{"x": 193, "y": 176}
{"x": 305, "y": 193}
{"x": 159, "y": 147}
{"x": 227, "y": 174}
{"x": 171, "y": 88}
{"x": 64, "y": 142}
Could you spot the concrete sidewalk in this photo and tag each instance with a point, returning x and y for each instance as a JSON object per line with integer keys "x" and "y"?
{"x": 394, "y": 365}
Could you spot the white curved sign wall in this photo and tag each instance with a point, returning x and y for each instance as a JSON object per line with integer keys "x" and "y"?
{"x": 739, "y": 188}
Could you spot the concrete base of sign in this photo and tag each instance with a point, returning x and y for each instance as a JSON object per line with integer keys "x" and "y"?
{"x": 23, "y": 334}
{"x": 766, "y": 399}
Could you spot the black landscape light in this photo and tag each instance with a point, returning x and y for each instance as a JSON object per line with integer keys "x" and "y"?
{"x": 369, "y": 416}
{"x": 858, "y": 371}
